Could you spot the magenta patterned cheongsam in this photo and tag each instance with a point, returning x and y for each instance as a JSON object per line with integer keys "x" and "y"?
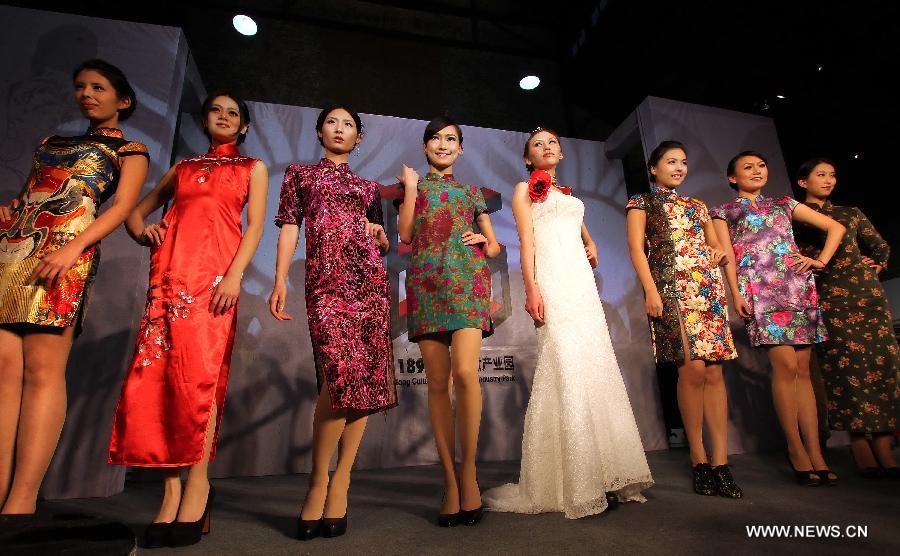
{"x": 784, "y": 304}
{"x": 347, "y": 291}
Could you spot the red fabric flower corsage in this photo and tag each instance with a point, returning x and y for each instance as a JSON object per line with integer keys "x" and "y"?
{"x": 539, "y": 185}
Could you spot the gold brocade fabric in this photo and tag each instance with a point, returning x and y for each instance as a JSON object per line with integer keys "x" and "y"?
{"x": 70, "y": 178}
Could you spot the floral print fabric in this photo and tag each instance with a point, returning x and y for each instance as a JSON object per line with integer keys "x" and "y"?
{"x": 784, "y": 304}
{"x": 860, "y": 361}
{"x": 448, "y": 284}
{"x": 688, "y": 282}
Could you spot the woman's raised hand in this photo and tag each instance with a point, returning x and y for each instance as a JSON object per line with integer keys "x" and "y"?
{"x": 408, "y": 177}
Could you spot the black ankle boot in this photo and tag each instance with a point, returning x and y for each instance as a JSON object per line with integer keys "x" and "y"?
{"x": 704, "y": 482}
{"x": 725, "y": 484}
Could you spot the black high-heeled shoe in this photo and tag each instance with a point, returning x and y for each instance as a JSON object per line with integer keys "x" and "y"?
{"x": 157, "y": 535}
{"x": 448, "y": 520}
{"x": 827, "y": 477}
{"x": 804, "y": 477}
{"x": 725, "y": 484}
{"x": 471, "y": 517}
{"x": 704, "y": 482}
{"x": 309, "y": 528}
{"x": 190, "y": 532}
{"x": 334, "y": 526}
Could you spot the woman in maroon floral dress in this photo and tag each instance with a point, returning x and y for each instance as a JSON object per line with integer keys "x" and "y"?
{"x": 860, "y": 362}
{"x": 347, "y": 306}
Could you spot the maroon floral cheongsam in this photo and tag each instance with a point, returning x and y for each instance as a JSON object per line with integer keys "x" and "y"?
{"x": 347, "y": 290}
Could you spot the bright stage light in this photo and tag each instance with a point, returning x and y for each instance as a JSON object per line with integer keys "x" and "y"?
{"x": 529, "y": 82}
{"x": 782, "y": 97}
{"x": 244, "y": 25}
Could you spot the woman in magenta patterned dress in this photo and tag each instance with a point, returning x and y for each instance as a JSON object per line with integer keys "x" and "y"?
{"x": 685, "y": 300}
{"x": 49, "y": 251}
{"x": 347, "y": 305}
{"x": 773, "y": 289}
{"x": 448, "y": 294}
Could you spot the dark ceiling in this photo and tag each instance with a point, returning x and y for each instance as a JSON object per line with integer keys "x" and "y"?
{"x": 831, "y": 61}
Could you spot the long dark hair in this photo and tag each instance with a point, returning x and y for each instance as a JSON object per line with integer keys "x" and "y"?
{"x": 437, "y": 124}
{"x": 116, "y": 78}
{"x": 731, "y": 169}
{"x": 537, "y": 130}
{"x": 320, "y": 121}
{"x": 660, "y": 151}
{"x": 242, "y": 108}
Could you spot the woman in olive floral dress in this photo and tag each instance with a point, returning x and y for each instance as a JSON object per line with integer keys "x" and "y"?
{"x": 860, "y": 361}
{"x": 448, "y": 293}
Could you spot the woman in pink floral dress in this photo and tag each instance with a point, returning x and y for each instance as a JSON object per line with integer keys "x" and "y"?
{"x": 347, "y": 306}
{"x": 774, "y": 290}
{"x": 676, "y": 254}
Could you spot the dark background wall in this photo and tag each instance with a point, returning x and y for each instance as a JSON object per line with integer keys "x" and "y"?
{"x": 597, "y": 59}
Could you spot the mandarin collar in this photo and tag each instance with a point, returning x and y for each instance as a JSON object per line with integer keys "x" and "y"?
{"x": 664, "y": 191}
{"x": 746, "y": 201}
{"x": 436, "y": 176}
{"x": 329, "y": 164}
{"x": 224, "y": 150}
{"x": 105, "y": 132}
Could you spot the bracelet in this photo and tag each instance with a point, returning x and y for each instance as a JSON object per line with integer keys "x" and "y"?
{"x": 821, "y": 261}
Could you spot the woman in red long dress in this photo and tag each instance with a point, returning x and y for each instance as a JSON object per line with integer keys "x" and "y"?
{"x": 347, "y": 305}
{"x": 171, "y": 405}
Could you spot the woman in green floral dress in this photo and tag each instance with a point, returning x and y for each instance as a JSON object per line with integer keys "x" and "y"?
{"x": 448, "y": 292}
{"x": 860, "y": 362}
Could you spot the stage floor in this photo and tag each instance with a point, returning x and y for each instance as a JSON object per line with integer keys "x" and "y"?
{"x": 392, "y": 512}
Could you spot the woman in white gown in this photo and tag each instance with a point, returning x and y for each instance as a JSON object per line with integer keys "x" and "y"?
{"x": 581, "y": 441}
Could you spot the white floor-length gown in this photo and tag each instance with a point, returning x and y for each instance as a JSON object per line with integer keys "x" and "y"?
{"x": 580, "y": 440}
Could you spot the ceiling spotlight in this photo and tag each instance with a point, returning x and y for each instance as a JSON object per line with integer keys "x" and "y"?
{"x": 782, "y": 97}
{"x": 529, "y": 82}
{"x": 856, "y": 156}
{"x": 244, "y": 25}
{"x": 820, "y": 67}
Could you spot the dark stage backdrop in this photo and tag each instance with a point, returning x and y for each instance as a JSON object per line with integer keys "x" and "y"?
{"x": 267, "y": 420}
{"x": 40, "y": 50}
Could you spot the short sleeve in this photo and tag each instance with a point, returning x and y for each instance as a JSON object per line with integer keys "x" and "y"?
{"x": 479, "y": 202}
{"x": 132, "y": 148}
{"x": 290, "y": 211}
{"x": 718, "y": 212}
{"x": 790, "y": 203}
{"x": 702, "y": 211}
{"x": 638, "y": 201}
{"x": 374, "y": 212}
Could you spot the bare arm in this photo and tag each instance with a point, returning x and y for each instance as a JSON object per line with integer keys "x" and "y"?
{"x": 834, "y": 233}
{"x": 521, "y": 205}
{"x": 410, "y": 180}
{"x": 635, "y": 226}
{"x": 157, "y": 197}
{"x": 723, "y": 236}
{"x": 491, "y": 247}
{"x": 590, "y": 248}
{"x": 228, "y": 290}
{"x": 131, "y": 178}
{"x": 287, "y": 244}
